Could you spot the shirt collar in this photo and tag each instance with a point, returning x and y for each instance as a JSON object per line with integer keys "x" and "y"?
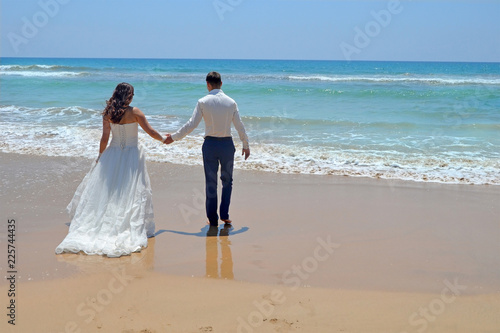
{"x": 215, "y": 91}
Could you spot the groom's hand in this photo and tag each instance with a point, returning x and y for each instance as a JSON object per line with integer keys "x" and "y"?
{"x": 245, "y": 152}
{"x": 169, "y": 139}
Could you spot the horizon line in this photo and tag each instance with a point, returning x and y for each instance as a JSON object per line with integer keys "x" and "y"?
{"x": 243, "y": 59}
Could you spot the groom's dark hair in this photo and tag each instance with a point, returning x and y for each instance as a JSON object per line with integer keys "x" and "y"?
{"x": 214, "y": 79}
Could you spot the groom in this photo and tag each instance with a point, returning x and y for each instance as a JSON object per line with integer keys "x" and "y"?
{"x": 218, "y": 111}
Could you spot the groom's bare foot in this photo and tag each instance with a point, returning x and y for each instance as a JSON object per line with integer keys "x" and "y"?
{"x": 228, "y": 221}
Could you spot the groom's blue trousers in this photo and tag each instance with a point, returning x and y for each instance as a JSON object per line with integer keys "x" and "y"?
{"x": 218, "y": 151}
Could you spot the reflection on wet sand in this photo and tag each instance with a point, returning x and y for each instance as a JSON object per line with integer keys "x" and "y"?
{"x": 139, "y": 261}
{"x": 212, "y": 254}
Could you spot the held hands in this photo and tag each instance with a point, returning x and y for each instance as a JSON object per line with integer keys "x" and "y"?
{"x": 245, "y": 152}
{"x": 169, "y": 139}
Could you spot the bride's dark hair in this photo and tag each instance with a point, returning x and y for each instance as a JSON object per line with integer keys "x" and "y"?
{"x": 118, "y": 103}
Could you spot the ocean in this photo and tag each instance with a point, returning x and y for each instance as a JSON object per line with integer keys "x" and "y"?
{"x": 418, "y": 121}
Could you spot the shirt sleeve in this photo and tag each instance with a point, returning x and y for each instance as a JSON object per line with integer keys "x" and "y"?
{"x": 240, "y": 128}
{"x": 190, "y": 125}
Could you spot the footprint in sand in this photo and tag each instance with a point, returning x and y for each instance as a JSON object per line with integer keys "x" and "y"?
{"x": 308, "y": 306}
{"x": 283, "y": 325}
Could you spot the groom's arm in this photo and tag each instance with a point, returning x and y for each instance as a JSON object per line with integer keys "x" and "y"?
{"x": 190, "y": 125}
{"x": 240, "y": 128}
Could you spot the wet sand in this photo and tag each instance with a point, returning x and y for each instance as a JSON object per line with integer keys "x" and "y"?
{"x": 306, "y": 253}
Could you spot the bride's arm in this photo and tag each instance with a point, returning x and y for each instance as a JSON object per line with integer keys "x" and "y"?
{"x": 141, "y": 119}
{"x": 106, "y": 129}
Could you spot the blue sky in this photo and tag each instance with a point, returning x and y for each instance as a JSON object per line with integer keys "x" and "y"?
{"x": 415, "y": 30}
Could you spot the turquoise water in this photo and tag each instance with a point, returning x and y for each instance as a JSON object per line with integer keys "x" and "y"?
{"x": 404, "y": 120}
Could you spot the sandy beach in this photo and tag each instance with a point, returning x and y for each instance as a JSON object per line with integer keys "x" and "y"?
{"x": 306, "y": 253}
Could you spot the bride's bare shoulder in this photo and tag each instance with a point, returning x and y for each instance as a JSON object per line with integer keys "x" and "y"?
{"x": 136, "y": 110}
{"x": 137, "y": 113}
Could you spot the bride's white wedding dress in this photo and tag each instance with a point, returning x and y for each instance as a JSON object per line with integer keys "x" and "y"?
{"x": 112, "y": 209}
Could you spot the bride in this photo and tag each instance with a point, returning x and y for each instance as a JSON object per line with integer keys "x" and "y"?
{"x": 112, "y": 209}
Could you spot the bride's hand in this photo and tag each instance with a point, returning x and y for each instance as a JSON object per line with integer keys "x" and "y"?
{"x": 168, "y": 140}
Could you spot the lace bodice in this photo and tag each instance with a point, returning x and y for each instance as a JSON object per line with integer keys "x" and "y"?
{"x": 124, "y": 135}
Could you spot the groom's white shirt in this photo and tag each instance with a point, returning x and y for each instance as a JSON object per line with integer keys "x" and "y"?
{"x": 218, "y": 111}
